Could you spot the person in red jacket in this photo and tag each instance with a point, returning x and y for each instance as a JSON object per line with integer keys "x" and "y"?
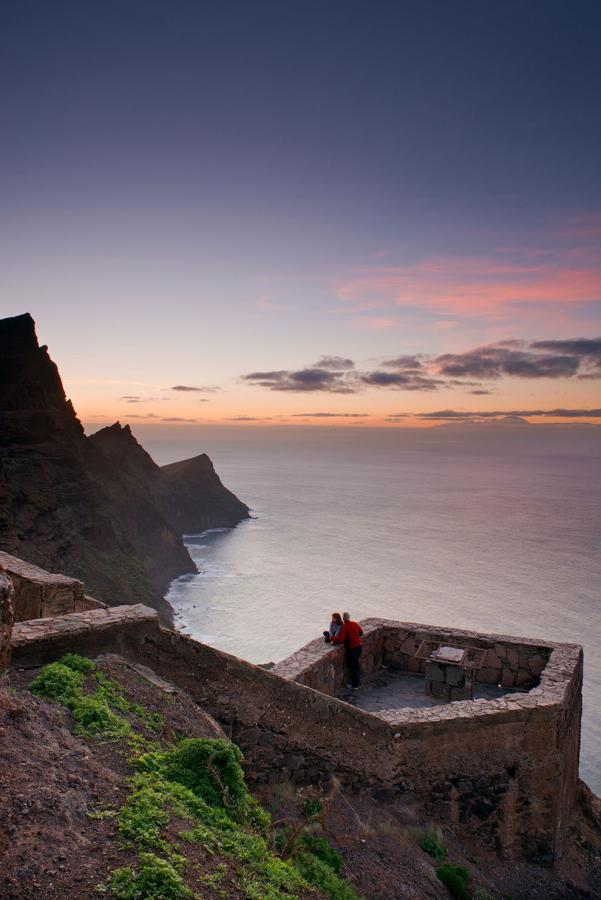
{"x": 351, "y": 635}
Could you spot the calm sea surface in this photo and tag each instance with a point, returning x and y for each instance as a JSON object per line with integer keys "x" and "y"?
{"x": 492, "y": 529}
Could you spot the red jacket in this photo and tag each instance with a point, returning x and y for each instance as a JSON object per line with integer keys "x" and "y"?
{"x": 351, "y": 633}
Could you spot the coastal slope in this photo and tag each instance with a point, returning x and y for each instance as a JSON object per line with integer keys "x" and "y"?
{"x": 97, "y": 507}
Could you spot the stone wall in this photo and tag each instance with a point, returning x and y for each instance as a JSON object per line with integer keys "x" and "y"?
{"x": 7, "y": 618}
{"x": 505, "y": 769}
{"x": 41, "y": 594}
{"x": 510, "y": 662}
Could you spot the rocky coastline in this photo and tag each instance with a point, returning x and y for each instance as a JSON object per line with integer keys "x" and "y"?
{"x": 97, "y": 507}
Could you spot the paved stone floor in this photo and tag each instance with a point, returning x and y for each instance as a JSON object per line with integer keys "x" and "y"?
{"x": 399, "y": 690}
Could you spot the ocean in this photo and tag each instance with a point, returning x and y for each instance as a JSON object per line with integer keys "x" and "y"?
{"x": 491, "y": 528}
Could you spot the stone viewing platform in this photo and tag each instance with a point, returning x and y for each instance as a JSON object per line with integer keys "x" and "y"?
{"x": 394, "y": 670}
{"x": 503, "y": 765}
{"x": 390, "y": 689}
{"x": 508, "y": 758}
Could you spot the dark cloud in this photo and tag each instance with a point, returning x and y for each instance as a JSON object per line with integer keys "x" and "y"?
{"x": 451, "y": 414}
{"x": 244, "y": 419}
{"x": 412, "y": 363}
{"x": 329, "y": 415}
{"x": 302, "y": 380}
{"x": 577, "y": 357}
{"x": 480, "y": 391}
{"x": 408, "y": 381}
{"x": 339, "y": 363}
{"x": 494, "y": 361}
{"x": 185, "y": 388}
{"x": 131, "y": 398}
{"x": 176, "y": 419}
{"x": 512, "y": 343}
{"x": 589, "y": 348}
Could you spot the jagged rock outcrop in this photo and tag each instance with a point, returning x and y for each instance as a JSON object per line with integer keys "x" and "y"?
{"x": 196, "y": 499}
{"x": 95, "y": 507}
{"x": 190, "y": 493}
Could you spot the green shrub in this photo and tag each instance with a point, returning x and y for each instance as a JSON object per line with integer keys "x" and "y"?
{"x": 140, "y": 820}
{"x": 57, "y": 682}
{"x": 454, "y": 879}
{"x": 111, "y": 693}
{"x": 77, "y": 663}
{"x": 157, "y": 879}
{"x": 320, "y": 847}
{"x": 94, "y": 716}
{"x": 319, "y": 874}
{"x": 63, "y": 681}
{"x": 210, "y": 769}
{"x": 432, "y": 843}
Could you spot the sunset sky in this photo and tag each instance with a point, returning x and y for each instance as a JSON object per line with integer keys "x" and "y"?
{"x": 328, "y": 212}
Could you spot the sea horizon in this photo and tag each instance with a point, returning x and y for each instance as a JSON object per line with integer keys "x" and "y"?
{"x": 492, "y": 529}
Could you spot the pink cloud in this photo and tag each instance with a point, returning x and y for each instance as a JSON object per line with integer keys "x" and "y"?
{"x": 467, "y": 286}
{"x": 375, "y": 323}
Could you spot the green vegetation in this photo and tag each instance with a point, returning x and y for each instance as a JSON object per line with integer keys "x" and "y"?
{"x": 96, "y": 713}
{"x": 318, "y": 846}
{"x": 198, "y": 781}
{"x": 432, "y": 843}
{"x": 78, "y": 663}
{"x": 454, "y": 879}
{"x": 63, "y": 681}
{"x": 155, "y": 878}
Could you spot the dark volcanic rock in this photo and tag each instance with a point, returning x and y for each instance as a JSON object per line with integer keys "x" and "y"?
{"x": 98, "y": 508}
{"x": 196, "y": 499}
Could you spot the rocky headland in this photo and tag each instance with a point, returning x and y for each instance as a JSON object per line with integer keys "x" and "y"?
{"x": 96, "y": 507}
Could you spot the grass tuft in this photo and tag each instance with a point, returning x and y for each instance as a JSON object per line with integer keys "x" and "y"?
{"x": 454, "y": 879}
{"x": 432, "y": 843}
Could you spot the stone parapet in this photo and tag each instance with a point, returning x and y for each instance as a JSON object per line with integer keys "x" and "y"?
{"x": 505, "y": 768}
{"x": 41, "y": 594}
{"x": 39, "y": 641}
{"x": 511, "y": 762}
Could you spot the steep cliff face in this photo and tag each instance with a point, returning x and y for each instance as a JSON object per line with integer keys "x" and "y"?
{"x": 189, "y": 493}
{"x": 195, "y": 498}
{"x": 94, "y": 507}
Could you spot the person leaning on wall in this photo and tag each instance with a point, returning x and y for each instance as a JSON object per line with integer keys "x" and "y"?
{"x": 351, "y": 635}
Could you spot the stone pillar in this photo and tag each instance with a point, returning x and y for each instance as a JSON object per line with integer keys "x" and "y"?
{"x": 7, "y": 616}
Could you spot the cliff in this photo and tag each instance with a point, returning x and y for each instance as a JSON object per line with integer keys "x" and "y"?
{"x": 195, "y": 498}
{"x": 97, "y": 507}
{"x": 189, "y": 493}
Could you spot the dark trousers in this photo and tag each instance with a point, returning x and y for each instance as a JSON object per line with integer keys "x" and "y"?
{"x": 353, "y": 655}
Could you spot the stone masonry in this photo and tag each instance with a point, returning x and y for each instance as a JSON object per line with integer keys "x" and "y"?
{"x": 504, "y": 769}
{"x": 39, "y": 594}
{"x": 7, "y": 617}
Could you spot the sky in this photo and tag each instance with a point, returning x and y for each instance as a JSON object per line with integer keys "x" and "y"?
{"x": 306, "y": 212}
